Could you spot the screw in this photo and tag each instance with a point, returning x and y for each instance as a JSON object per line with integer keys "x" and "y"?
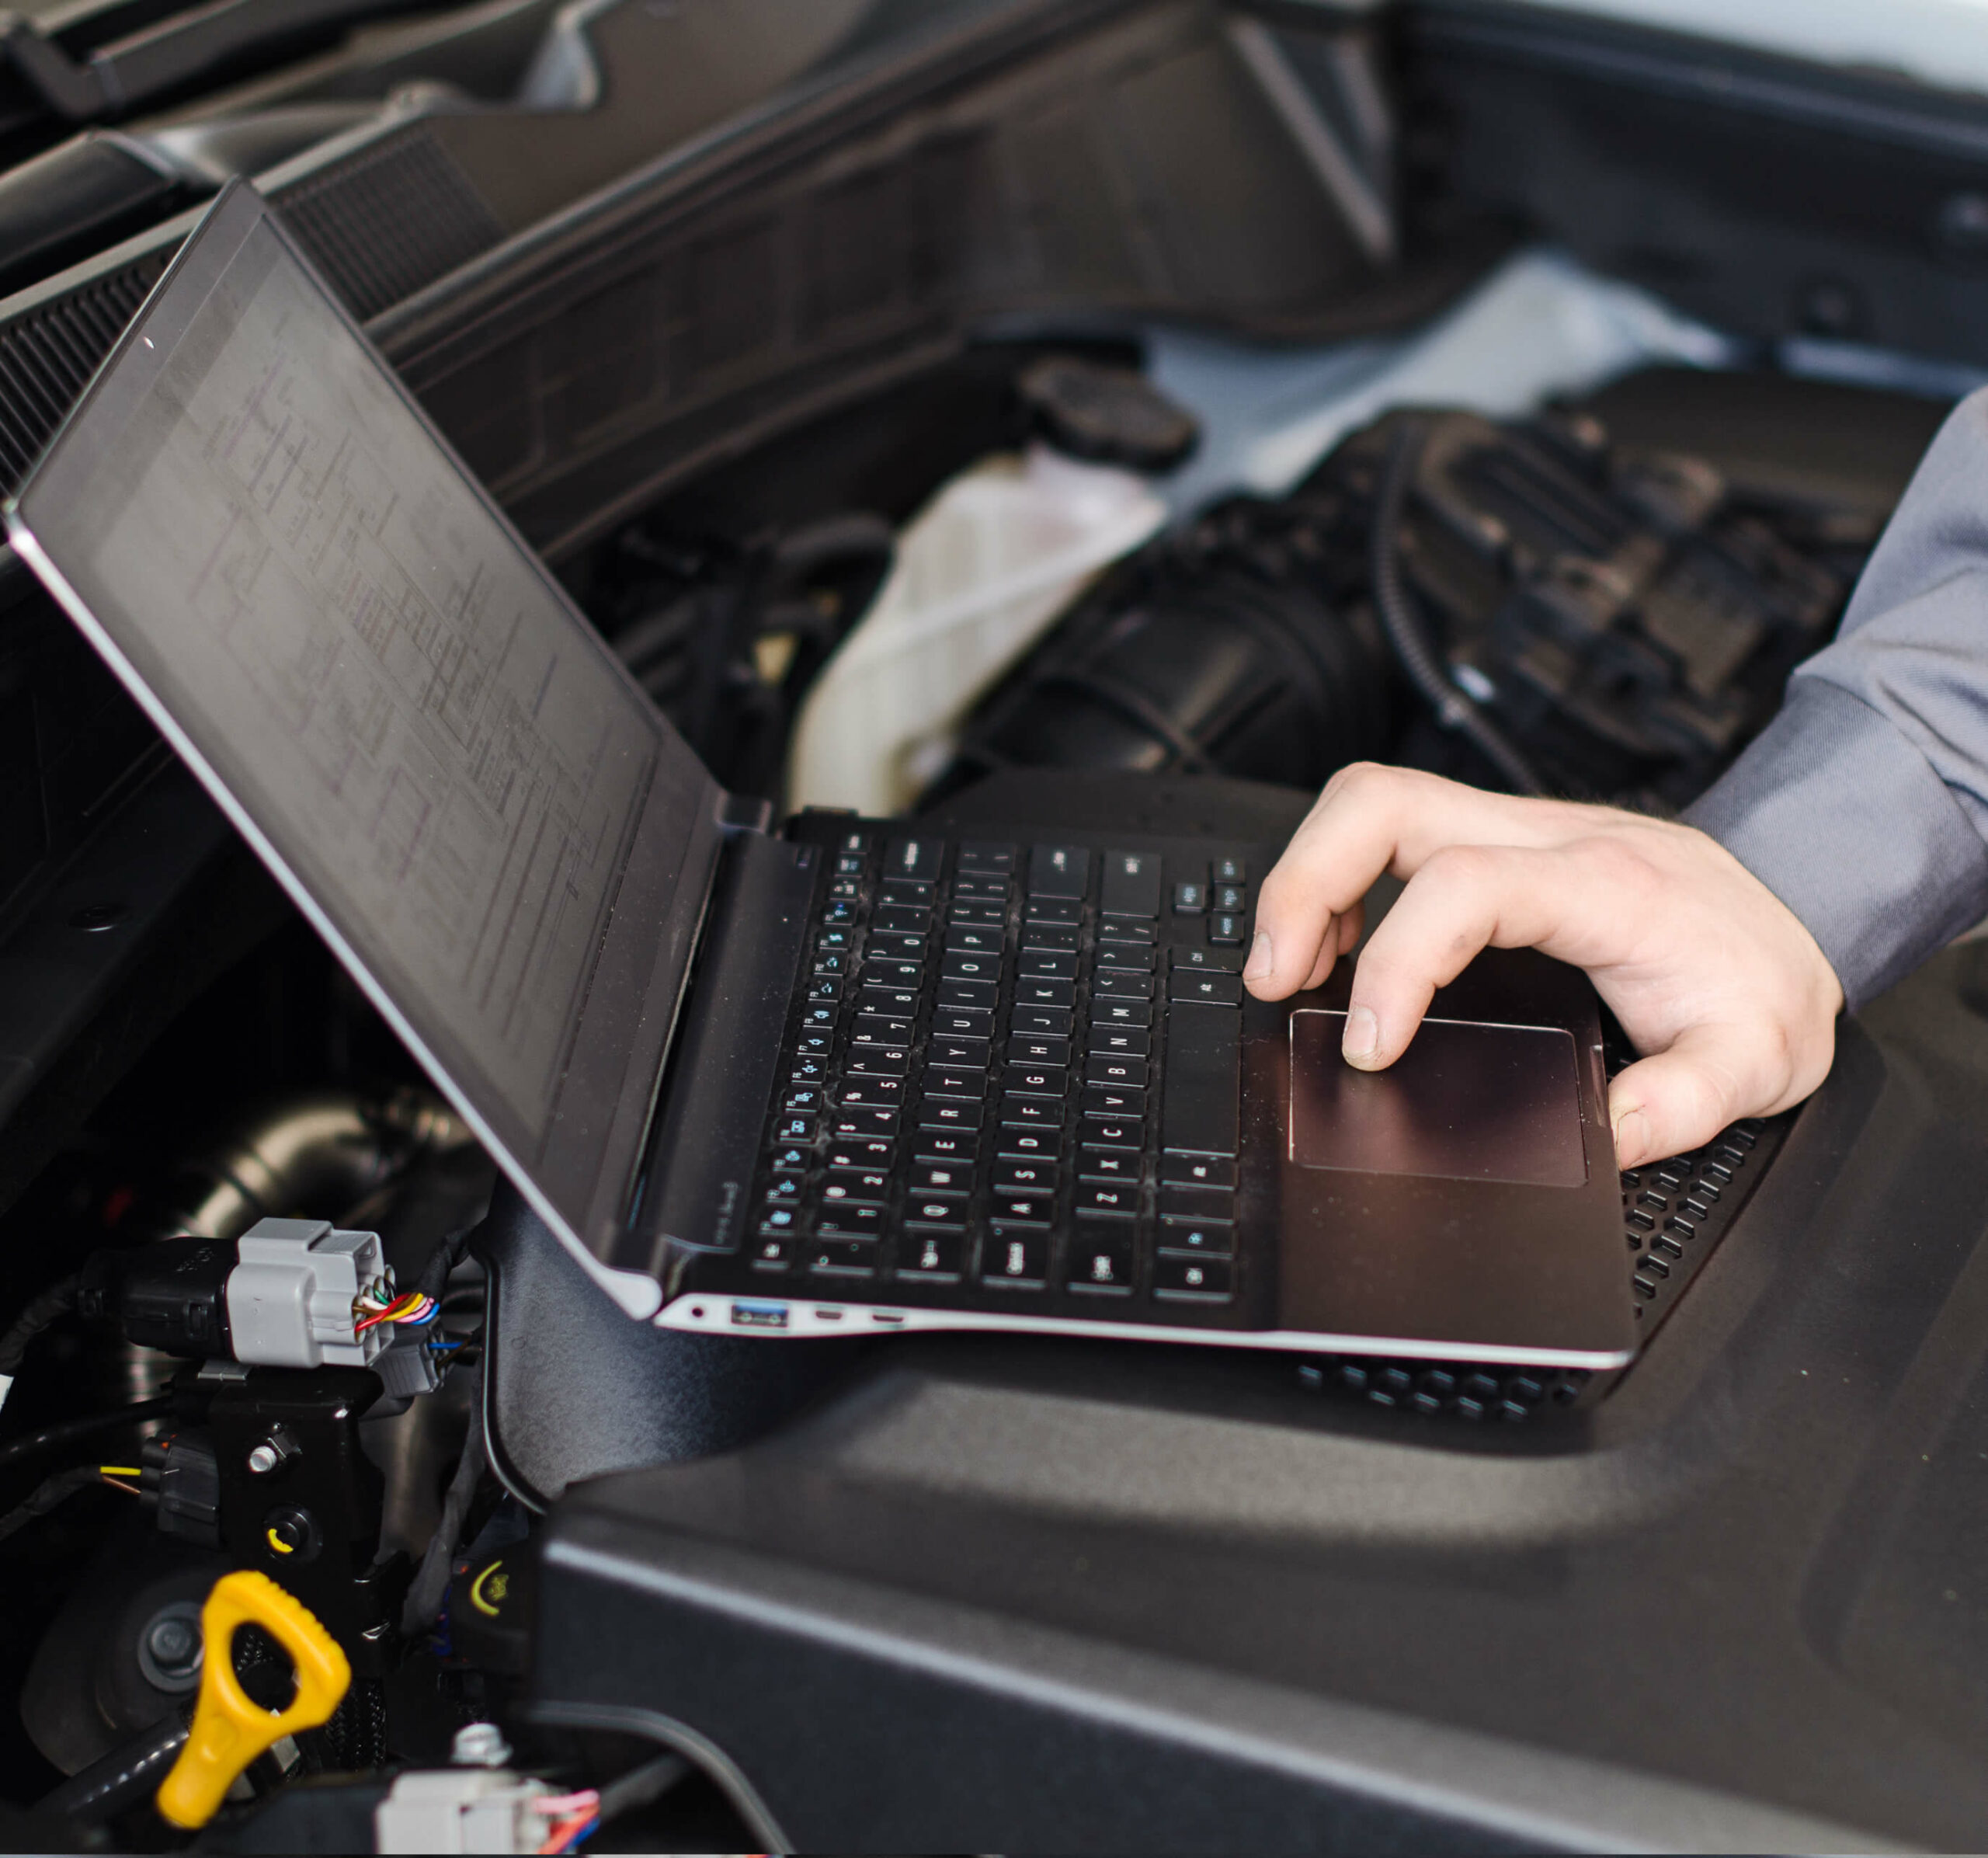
{"x": 479, "y": 1745}
{"x": 173, "y": 1641}
{"x": 170, "y": 1648}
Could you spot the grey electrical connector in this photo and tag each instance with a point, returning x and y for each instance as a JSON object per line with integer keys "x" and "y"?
{"x": 291, "y": 1295}
{"x": 460, "y": 1810}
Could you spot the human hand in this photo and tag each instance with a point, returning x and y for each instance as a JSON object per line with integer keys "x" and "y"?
{"x": 1725, "y": 995}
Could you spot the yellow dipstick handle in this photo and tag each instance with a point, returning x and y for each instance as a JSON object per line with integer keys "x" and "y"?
{"x": 229, "y": 1731}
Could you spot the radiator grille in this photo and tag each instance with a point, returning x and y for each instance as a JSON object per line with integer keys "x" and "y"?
{"x": 390, "y": 221}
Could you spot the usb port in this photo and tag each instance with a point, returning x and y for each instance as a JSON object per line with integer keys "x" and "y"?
{"x": 760, "y": 1315}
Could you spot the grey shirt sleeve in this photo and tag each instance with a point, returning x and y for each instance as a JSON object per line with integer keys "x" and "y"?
{"x": 1864, "y": 805}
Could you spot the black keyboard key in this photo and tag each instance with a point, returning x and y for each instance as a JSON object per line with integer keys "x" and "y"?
{"x": 1028, "y": 1143}
{"x": 895, "y": 949}
{"x": 783, "y": 1190}
{"x": 1105, "y": 1012}
{"x": 1126, "y": 1042}
{"x": 1201, "y": 1082}
{"x": 1121, "y": 930}
{"x": 1062, "y": 943}
{"x": 1119, "y": 983}
{"x": 1101, "y": 1261}
{"x": 1199, "y": 1204}
{"x": 1016, "y": 1257}
{"x": 1055, "y": 912}
{"x": 860, "y": 1124}
{"x": 845, "y": 889}
{"x": 838, "y": 913}
{"x": 931, "y": 1255}
{"x": 1231, "y": 871}
{"x": 977, "y": 993}
{"x": 1230, "y": 899}
{"x": 948, "y": 1112}
{"x": 856, "y": 1189}
{"x": 782, "y": 1221}
{"x": 1107, "y": 1164}
{"x": 869, "y": 1030}
{"x": 967, "y": 940}
{"x": 773, "y": 1254}
{"x": 919, "y": 858}
{"x": 1111, "y": 956}
{"x": 899, "y": 919}
{"x": 808, "y": 1070}
{"x": 831, "y": 962}
{"x": 1101, "y": 1134}
{"x": 961, "y": 1147}
{"x": 1038, "y": 1051}
{"x": 843, "y": 1258}
{"x": 1225, "y": 930}
{"x": 1103, "y": 1198}
{"x": 1218, "y": 961}
{"x": 834, "y": 941}
{"x": 1115, "y": 1102}
{"x": 1032, "y": 993}
{"x": 789, "y": 1160}
{"x": 1032, "y": 1113}
{"x": 1131, "y": 884}
{"x": 852, "y": 844}
{"x": 806, "y": 1101}
{"x": 1196, "y": 1170}
{"x": 850, "y": 1222}
{"x": 1054, "y": 1020}
{"x": 1190, "y": 899}
{"x": 909, "y": 890}
{"x": 927, "y": 1213}
{"x": 892, "y": 973}
{"x": 941, "y": 1177}
{"x": 828, "y": 987}
{"x": 1192, "y": 1280}
{"x": 982, "y": 970}
{"x": 976, "y": 916}
{"x": 963, "y": 1022}
{"x": 979, "y": 855}
{"x": 847, "y": 866}
{"x": 1109, "y": 1068}
{"x": 1212, "y": 1238}
{"x": 1035, "y": 1080}
{"x": 959, "y": 1054}
{"x": 1046, "y": 965}
{"x": 940, "y": 1082}
{"x": 814, "y": 1044}
{"x": 865, "y": 1154}
{"x": 1024, "y": 1177}
{"x": 888, "y": 1003}
{"x": 1213, "y": 989}
{"x": 1058, "y": 870}
{"x": 795, "y": 1129}
{"x": 871, "y": 1092}
{"x": 985, "y": 889}
{"x": 876, "y": 1061}
{"x": 821, "y": 1016}
{"x": 1023, "y": 1209}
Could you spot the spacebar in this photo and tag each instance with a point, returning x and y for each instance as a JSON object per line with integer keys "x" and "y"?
{"x": 1203, "y": 1062}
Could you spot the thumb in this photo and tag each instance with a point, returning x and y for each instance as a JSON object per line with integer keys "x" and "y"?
{"x": 1681, "y": 1097}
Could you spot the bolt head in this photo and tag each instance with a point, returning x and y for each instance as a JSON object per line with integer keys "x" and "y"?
{"x": 263, "y": 1460}
{"x": 173, "y": 1641}
{"x": 479, "y": 1745}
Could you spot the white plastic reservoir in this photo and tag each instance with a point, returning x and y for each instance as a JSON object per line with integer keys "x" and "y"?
{"x": 981, "y": 572}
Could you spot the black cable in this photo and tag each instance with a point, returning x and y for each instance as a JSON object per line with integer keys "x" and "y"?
{"x": 123, "y": 1778}
{"x": 54, "y": 1302}
{"x": 431, "y": 1579}
{"x": 70, "y": 1430}
{"x": 434, "y": 1277}
{"x": 51, "y": 1491}
{"x": 640, "y": 1785}
{"x": 1454, "y": 708}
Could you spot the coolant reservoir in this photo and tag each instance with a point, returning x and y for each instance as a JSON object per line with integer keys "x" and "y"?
{"x": 981, "y": 572}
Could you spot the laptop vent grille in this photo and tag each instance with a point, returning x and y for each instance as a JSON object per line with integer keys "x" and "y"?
{"x": 46, "y": 358}
{"x": 390, "y": 221}
{"x": 1674, "y": 1214}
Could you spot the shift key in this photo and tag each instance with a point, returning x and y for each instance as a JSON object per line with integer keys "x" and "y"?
{"x": 1200, "y": 1104}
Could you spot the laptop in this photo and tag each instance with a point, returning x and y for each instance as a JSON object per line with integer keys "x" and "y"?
{"x": 849, "y": 1078}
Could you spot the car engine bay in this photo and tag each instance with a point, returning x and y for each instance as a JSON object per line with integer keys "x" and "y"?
{"x": 1114, "y": 416}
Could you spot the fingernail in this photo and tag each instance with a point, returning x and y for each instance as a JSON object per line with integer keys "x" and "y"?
{"x": 1262, "y": 958}
{"x": 1363, "y": 1034}
{"x": 1631, "y": 1138}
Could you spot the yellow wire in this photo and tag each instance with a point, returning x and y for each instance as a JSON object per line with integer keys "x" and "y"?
{"x": 121, "y": 1470}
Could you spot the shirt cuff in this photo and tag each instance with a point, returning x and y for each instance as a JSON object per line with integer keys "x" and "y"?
{"x": 1848, "y": 824}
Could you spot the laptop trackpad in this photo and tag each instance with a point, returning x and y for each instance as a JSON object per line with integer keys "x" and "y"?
{"x": 1465, "y": 1102}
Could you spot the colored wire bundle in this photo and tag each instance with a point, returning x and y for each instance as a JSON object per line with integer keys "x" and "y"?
{"x": 413, "y": 1309}
{"x": 577, "y": 1815}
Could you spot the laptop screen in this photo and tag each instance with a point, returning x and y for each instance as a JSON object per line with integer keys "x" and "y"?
{"x": 394, "y": 698}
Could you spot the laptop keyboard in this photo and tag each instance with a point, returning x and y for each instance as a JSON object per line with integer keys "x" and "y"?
{"x": 1014, "y": 1069}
